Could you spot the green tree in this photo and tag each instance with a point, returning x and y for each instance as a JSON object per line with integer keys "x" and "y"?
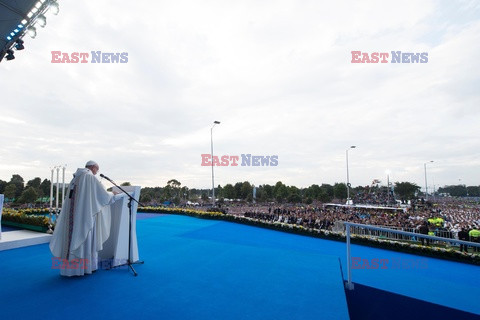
{"x": 461, "y": 190}
{"x": 176, "y": 200}
{"x": 185, "y": 192}
{"x": 126, "y": 184}
{"x": 340, "y": 191}
{"x": 294, "y": 198}
{"x": 268, "y": 190}
{"x": 238, "y": 190}
{"x": 34, "y": 183}
{"x": 149, "y": 194}
{"x": 324, "y": 196}
{"x": 328, "y": 189}
{"x": 313, "y": 192}
{"x": 280, "y": 191}
{"x": 473, "y": 191}
{"x": 10, "y": 190}
{"x": 3, "y": 184}
{"x": 18, "y": 181}
{"x": 406, "y": 190}
{"x": 174, "y": 186}
{"x": 229, "y": 191}
{"x": 29, "y": 195}
{"x": 45, "y": 188}
{"x": 261, "y": 195}
{"x": 218, "y": 192}
{"x": 145, "y": 197}
{"x": 247, "y": 189}
{"x": 167, "y": 192}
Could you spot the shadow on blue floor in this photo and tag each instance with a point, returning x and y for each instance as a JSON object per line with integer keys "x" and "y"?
{"x": 365, "y": 303}
{"x": 8, "y": 228}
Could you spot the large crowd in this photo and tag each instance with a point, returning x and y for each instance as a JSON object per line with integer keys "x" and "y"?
{"x": 383, "y": 198}
{"x": 443, "y": 218}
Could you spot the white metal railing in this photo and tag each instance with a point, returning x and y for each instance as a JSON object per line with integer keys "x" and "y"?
{"x": 348, "y": 225}
{"x": 339, "y": 227}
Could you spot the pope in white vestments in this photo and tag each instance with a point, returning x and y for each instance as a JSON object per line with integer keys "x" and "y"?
{"x": 83, "y": 224}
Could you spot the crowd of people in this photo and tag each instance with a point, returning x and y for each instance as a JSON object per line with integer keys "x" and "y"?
{"x": 383, "y": 198}
{"x": 323, "y": 217}
{"x": 446, "y": 219}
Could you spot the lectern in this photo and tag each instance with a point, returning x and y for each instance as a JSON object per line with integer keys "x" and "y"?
{"x": 115, "y": 249}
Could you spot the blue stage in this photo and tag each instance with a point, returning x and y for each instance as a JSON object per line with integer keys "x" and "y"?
{"x": 206, "y": 269}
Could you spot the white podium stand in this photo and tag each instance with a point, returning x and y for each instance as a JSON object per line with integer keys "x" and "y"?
{"x": 115, "y": 249}
{"x": 1, "y": 209}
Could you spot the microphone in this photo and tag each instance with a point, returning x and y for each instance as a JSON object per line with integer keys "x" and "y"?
{"x": 104, "y": 176}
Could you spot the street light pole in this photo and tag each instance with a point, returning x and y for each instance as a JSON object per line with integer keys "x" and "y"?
{"x": 426, "y": 187}
{"x": 211, "y": 146}
{"x": 388, "y": 187}
{"x": 348, "y": 177}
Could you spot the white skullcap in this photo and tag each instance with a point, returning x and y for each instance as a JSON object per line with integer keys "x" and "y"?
{"x": 91, "y": 163}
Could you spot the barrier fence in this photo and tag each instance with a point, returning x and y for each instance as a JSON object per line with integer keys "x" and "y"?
{"x": 348, "y": 228}
{"x": 339, "y": 227}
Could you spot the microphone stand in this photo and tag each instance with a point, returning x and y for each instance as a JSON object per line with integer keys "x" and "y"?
{"x": 129, "y": 262}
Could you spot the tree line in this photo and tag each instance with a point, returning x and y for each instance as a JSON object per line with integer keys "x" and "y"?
{"x": 460, "y": 191}
{"x": 279, "y": 192}
{"x": 16, "y": 190}
{"x": 34, "y": 190}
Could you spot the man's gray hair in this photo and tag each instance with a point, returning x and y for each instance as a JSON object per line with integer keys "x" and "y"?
{"x": 91, "y": 163}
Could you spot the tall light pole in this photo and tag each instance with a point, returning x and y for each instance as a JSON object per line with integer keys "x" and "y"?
{"x": 388, "y": 186}
{"x": 56, "y": 197}
{"x": 426, "y": 187}
{"x": 211, "y": 145}
{"x": 433, "y": 189}
{"x": 63, "y": 183}
{"x": 348, "y": 177}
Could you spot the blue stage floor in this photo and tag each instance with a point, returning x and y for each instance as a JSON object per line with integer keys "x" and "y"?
{"x": 205, "y": 269}
{"x": 7, "y": 229}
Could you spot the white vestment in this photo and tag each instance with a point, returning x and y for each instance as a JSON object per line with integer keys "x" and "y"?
{"x": 82, "y": 226}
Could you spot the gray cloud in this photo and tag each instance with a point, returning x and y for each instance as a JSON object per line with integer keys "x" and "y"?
{"x": 277, "y": 74}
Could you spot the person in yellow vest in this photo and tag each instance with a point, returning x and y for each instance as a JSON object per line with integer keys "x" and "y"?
{"x": 474, "y": 234}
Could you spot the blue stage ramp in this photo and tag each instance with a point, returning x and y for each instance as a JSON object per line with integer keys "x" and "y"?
{"x": 194, "y": 269}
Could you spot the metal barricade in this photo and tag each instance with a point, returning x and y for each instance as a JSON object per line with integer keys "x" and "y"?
{"x": 355, "y": 226}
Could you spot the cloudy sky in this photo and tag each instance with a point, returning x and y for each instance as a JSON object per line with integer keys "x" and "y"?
{"x": 277, "y": 74}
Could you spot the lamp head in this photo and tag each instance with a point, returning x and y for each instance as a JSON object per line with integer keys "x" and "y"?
{"x": 19, "y": 45}
{"x": 10, "y": 55}
{"x": 42, "y": 21}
